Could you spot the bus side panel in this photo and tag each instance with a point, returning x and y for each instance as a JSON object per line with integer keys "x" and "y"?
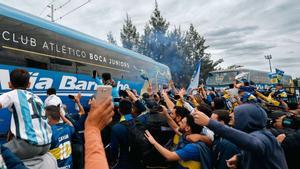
{"x": 65, "y": 84}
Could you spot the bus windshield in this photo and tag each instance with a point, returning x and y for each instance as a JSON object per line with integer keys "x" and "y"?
{"x": 221, "y": 78}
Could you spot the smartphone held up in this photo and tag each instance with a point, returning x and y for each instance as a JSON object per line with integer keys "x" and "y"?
{"x": 103, "y": 92}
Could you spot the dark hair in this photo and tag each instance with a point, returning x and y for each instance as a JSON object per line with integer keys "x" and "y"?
{"x": 195, "y": 128}
{"x": 246, "y": 83}
{"x": 125, "y": 106}
{"x": 53, "y": 112}
{"x": 219, "y": 103}
{"x": 279, "y": 84}
{"x": 19, "y": 78}
{"x": 51, "y": 91}
{"x": 205, "y": 109}
{"x": 241, "y": 91}
{"x": 145, "y": 96}
{"x": 231, "y": 86}
{"x": 181, "y": 111}
{"x": 222, "y": 115}
{"x": 106, "y": 76}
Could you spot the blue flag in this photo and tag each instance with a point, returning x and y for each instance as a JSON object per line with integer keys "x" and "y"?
{"x": 195, "y": 78}
{"x": 279, "y": 72}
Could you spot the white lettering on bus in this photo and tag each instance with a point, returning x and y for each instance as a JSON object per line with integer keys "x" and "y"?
{"x": 71, "y": 83}
{"x": 5, "y": 37}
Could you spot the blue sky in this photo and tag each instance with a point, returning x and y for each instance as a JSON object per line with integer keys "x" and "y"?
{"x": 239, "y": 31}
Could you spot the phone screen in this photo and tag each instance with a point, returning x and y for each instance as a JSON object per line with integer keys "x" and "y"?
{"x": 103, "y": 92}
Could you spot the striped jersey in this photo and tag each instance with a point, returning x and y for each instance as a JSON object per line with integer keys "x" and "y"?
{"x": 28, "y": 120}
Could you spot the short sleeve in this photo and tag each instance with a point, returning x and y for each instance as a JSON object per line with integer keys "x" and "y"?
{"x": 5, "y": 100}
{"x": 188, "y": 152}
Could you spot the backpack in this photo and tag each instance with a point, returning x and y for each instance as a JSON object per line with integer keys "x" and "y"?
{"x": 140, "y": 149}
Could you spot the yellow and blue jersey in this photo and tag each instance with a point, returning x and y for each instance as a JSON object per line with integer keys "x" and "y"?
{"x": 193, "y": 155}
{"x": 61, "y": 144}
{"x": 280, "y": 94}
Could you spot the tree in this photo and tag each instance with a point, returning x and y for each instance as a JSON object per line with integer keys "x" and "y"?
{"x": 157, "y": 38}
{"x": 144, "y": 46}
{"x": 181, "y": 51}
{"x": 111, "y": 39}
{"x": 174, "y": 55}
{"x": 129, "y": 35}
{"x": 194, "y": 51}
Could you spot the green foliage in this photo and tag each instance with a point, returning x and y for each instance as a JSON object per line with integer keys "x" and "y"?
{"x": 111, "y": 39}
{"x": 180, "y": 50}
{"x": 129, "y": 35}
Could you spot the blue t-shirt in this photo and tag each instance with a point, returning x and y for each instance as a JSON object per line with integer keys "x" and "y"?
{"x": 248, "y": 98}
{"x": 250, "y": 89}
{"x": 189, "y": 155}
{"x": 61, "y": 144}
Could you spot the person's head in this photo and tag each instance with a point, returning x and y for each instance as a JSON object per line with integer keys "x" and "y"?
{"x": 145, "y": 96}
{"x": 53, "y": 114}
{"x": 221, "y": 116}
{"x": 198, "y": 98}
{"x": 106, "y": 76}
{"x": 107, "y": 80}
{"x": 246, "y": 83}
{"x": 179, "y": 113}
{"x": 231, "y": 86}
{"x": 156, "y": 97}
{"x": 278, "y": 86}
{"x": 241, "y": 93}
{"x": 125, "y": 107}
{"x": 204, "y": 108}
{"x": 152, "y": 105}
{"x": 249, "y": 117}
{"x": 188, "y": 126}
{"x": 219, "y": 103}
{"x": 51, "y": 91}
{"x": 277, "y": 117}
{"x": 19, "y": 79}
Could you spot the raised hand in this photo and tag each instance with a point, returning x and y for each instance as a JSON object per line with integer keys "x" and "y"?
{"x": 100, "y": 115}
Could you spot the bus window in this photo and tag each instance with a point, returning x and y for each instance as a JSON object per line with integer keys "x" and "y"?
{"x": 85, "y": 69}
{"x": 36, "y": 64}
{"x": 62, "y": 65}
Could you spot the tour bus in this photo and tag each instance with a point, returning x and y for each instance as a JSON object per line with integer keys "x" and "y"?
{"x": 222, "y": 78}
{"x": 61, "y": 58}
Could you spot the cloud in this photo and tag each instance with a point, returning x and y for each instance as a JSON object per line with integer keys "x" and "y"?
{"x": 232, "y": 30}
{"x": 240, "y": 31}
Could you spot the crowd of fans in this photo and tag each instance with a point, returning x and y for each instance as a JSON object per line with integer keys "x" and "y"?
{"x": 202, "y": 128}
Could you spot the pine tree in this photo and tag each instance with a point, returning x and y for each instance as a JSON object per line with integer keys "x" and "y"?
{"x": 174, "y": 54}
{"x": 158, "y": 38}
{"x": 145, "y": 41}
{"x": 111, "y": 39}
{"x": 129, "y": 35}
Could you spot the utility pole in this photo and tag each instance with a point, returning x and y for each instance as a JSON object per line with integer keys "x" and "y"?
{"x": 52, "y": 13}
{"x": 269, "y": 57}
{"x": 53, "y": 9}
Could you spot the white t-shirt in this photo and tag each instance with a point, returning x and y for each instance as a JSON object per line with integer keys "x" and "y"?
{"x": 28, "y": 120}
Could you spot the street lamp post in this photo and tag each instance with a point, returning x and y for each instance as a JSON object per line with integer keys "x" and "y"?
{"x": 269, "y": 57}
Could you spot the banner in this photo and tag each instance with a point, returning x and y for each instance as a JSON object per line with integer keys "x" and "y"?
{"x": 277, "y": 76}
